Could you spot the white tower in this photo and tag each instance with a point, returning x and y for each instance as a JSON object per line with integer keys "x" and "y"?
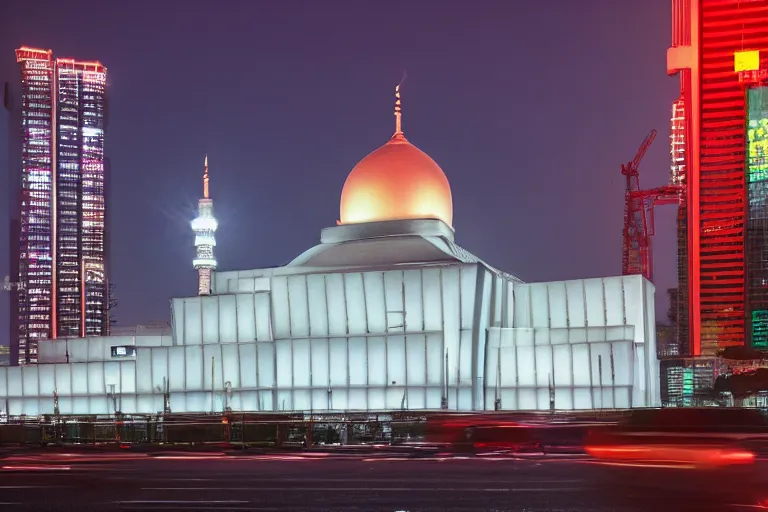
{"x": 204, "y": 227}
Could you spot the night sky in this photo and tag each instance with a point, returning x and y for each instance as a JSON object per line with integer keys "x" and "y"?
{"x": 529, "y": 108}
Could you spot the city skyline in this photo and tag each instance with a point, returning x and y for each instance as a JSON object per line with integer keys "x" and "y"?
{"x": 519, "y": 247}
{"x": 275, "y": 177}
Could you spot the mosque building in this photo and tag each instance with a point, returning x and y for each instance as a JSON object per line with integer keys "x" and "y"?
{"x": 387, "y": 312}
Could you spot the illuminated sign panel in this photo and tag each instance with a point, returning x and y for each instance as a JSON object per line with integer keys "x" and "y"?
{"x": 746, "y": 61}
{"x": 760, "y": 328}
{"x": 757, "y": 134}
{"x": 688, "y": 386}
{"x": 757, "y": 223}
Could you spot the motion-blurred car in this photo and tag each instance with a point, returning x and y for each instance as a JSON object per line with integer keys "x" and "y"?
{"x": 716, "y": 445}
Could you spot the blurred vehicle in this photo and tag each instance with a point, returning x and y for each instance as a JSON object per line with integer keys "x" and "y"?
{"x": 707, "y": 437}
{"x": 478, "y": 433}
{"x": 564, "y": 438}
{"x": 494, "y": 432}
{"x": 718, "y": 444}
{"x": 506, "y": 436}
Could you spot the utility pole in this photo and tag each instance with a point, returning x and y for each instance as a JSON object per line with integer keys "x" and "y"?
{"x": 228, "y": 391}
{"x": 497, "y": 401}
{"x": 213, "y": 384}
{"x": 551, "y": 382}
{"x": 166, "y": 396}
{"x": 600, "y": 377}
{"x": 444, "y": 399}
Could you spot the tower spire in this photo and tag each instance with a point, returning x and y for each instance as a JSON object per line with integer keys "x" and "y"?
{"x": 398, "y": 112}
{"x": 204, "y": 226}
{"x": 205, "y": 178}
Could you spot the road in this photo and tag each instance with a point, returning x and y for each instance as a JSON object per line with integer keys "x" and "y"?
{"x": 360, "y": 482}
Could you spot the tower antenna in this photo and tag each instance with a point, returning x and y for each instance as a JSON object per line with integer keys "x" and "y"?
{"x": 205, "y": 179}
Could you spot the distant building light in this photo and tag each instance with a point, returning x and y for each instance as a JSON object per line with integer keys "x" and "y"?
{"x": 124, "y": 351}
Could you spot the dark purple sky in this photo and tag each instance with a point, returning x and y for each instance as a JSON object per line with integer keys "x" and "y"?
{"x": 529, "y": 111}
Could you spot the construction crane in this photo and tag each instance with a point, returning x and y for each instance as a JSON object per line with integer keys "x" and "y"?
{"x": 639, "y": 221}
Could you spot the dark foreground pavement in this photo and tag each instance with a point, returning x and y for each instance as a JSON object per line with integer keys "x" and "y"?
{"x": 370, "y": 483}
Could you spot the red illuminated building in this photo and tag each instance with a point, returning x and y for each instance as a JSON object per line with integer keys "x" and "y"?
{"x": 62, "y": 289}
{"x": 720, "y": 134}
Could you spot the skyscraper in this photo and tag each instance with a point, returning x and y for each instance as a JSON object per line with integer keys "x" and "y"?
{"x": 62, "y": 288}
{"x": 720, "y": 52}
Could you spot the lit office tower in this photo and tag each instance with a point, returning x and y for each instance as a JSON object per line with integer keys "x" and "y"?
{"x": 62, "y": 286}
{"x": 720, "y": 52}
{"x": 204, "y": 227}
{"x": 678, "y": 156}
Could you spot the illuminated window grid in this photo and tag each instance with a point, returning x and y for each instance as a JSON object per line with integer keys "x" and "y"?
{"x": 61, "y": 230}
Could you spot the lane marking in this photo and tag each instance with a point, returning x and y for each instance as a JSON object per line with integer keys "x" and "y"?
{"x": 193, "y": 507}
{"x": 460, "y": 478}
{"x": 29, "y": 486}
{"x": 181, "y": 502}
{"x": 364, "y": 489}
{"x": 36, "y": 468}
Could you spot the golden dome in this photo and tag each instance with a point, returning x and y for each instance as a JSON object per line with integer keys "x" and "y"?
{"x": 397, "y": 181}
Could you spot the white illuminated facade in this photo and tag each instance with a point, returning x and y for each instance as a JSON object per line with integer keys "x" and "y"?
{"x": 204, "y": 226}
{"x": 385, "y": 314}
{"x": 378, "y": 316}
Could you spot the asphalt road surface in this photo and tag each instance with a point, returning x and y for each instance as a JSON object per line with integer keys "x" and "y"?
{"x": 360, "y": 482}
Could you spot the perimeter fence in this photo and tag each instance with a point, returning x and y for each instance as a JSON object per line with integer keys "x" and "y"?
{"x": 283, "y": 430}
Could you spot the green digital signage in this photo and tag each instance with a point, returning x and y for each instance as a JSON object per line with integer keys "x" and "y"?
{"x": 757, "y": 134}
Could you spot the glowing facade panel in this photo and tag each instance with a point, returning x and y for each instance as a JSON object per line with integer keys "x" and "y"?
{"x": 572, "y": 345}
{"x": 62, "y": 257}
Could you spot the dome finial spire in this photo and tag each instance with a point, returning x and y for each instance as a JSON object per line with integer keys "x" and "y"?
{"x": 398, "y": 111}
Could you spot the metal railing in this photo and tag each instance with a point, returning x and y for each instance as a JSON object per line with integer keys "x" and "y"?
{"x": 263, "y": 429}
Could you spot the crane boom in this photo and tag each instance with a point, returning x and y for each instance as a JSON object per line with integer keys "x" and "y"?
{"x": 643, "y": 148}
{"x": 637, "y": 253}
